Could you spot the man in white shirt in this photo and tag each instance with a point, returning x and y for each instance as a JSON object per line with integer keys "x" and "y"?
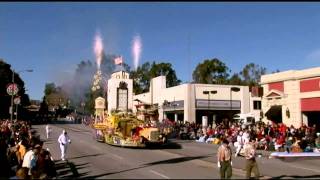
{"x": 30, "y": 158}
{"x": 240, "y": 143}
{"x": 64, "y": 140}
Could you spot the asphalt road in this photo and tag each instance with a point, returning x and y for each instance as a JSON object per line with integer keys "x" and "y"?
{"x": 182, "y": 159}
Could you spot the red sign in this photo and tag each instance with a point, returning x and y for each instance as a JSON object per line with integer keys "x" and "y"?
{"x": 310, "y": 104}
{"x": 276, "y": 86}
{"x": 12, "y": 89}
{"x": 310, "y": 85}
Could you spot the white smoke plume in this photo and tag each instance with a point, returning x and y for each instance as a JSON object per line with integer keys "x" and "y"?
{"x": 98, "y": 49}
{"x": 136, "y": 50}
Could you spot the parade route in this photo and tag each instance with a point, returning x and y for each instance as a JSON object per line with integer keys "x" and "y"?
{"x": 182, "y": 159}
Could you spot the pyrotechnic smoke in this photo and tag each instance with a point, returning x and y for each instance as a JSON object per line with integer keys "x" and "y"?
{"x": 98, "y": 49}
{"x": 136, "y": 51}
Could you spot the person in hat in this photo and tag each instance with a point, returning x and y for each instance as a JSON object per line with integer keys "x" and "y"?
{"x": 251, "y": 163}
{"x": 64, "y": 140}
{"x": 224, "y": 155}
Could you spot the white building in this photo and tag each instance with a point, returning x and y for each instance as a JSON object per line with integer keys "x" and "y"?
{"x": 189, "y": 102}
{"x": 186, "y": 102}
{"x": 120, "y": 89}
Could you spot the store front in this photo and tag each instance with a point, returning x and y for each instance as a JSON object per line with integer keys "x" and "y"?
{"x": 292, "y": 97}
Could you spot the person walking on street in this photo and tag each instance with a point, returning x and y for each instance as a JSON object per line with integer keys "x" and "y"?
{"x": 240, "y": 142}
{"x": 251, "y": 163}
{"x": 64, "y": 140}
{"x": 224, "y": 155}
{"x": 48, "y": 131}
{"x": 30, "y": 158}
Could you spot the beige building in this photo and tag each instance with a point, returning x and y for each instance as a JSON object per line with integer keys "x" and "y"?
{"x": 186, "y": 102}
{"x": 189, "y": 102}
{"x": 292, "y": 97}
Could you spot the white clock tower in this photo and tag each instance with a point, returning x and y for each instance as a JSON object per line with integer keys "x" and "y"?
{"x": 120, "y": 89}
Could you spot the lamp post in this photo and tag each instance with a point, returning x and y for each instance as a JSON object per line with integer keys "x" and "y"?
{"x": 174, "y": 109}
{"x": 164, "y": 104}
{"x": 234, "y": 89}
{"x": 12, "y": 80}
{"x": 209, "y": 92}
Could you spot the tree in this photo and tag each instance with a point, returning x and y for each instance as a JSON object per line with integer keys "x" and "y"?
{"x": 251, "y": 74}
{"x": 235, "y": 79}
{"x": 211, "y": 72}
{"x": 49, "y": 89}
{"x": 43, "y": 110}
{"x": 141, "y": 78}
{"x": 5, "y": 79}
{"x": 144, "y": 73}
{"x": 165, "y": 69}
{"x": 276, "y": 71}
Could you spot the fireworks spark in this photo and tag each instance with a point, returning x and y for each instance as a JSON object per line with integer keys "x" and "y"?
{"x": 98, "y": 49}
{"x": 136, "y": 50}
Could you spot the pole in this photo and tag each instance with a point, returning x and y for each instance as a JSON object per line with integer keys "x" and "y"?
{"x": 11, "y": 112}
{"x": 230, "y": 98}
{"x": 16, "y": 112}
{"x": 208, "y": 105}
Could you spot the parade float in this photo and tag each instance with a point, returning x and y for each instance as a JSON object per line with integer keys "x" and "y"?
{"x": 121, "y": 128}
{"x": 114, "y": 122}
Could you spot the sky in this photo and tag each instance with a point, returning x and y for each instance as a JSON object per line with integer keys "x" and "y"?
{"x": 53, "y": 37}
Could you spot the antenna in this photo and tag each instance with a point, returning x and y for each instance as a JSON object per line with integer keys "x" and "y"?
{"x": 189, "y": 60}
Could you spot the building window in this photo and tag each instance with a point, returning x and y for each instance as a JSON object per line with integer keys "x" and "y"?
{"x": 257, "y": 105}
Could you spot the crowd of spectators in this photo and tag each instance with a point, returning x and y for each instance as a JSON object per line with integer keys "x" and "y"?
{"x": 270, "y": 136}
{"x": 21, "y": 153}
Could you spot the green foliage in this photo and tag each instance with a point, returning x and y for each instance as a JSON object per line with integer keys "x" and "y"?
{"x": 235, "y": 79}
{"x": 165, "y": 69}
{"x": 211, "y": 72}
{"x": 144, "y": 73}
{"x": 49, "y": 89}
{"x": 251, "y": 74}
{"x": 5, "y": 99}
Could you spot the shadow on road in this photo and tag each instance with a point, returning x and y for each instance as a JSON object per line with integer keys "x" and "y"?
{"x": 297, "y": 177}
{"x": 65, "y": 168}
{"x": 78, "y": 157}
{"x": 169, "y": 145}
{"x": 168, "y": 161}
{"x": 176, "y": 160}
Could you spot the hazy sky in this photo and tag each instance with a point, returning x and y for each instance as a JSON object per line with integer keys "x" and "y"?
{"x": 52, "y": 38}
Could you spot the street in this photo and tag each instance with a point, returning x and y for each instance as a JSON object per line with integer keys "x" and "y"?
{"x": 182, "y": 159}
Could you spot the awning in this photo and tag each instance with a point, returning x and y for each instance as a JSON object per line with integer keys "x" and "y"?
{"x": 274, "y": 113}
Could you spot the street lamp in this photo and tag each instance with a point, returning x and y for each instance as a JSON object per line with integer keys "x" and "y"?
{"x": 234, "y": 89}
{"x": 11, "y": 110}
{"x": 209, "y": 92}
{"x": 164, "y": 104}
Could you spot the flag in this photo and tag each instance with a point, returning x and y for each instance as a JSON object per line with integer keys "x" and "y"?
{"x": 118, "y": 60}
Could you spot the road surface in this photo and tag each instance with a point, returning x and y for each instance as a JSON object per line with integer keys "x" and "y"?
{"x": 182, "y": 159}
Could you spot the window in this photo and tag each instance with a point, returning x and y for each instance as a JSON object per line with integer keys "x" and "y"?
{"x": 257, "y": 105}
